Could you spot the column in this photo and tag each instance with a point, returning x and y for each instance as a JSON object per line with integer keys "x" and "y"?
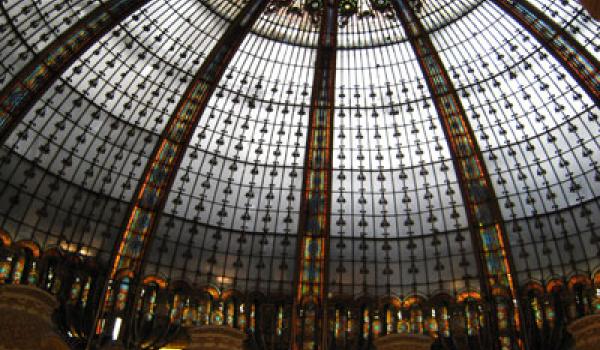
{"x": 26, "y": 319}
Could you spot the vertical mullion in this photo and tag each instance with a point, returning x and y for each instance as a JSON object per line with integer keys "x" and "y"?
{"x": 483, "y": 211}
{"x": 310, "y": 312}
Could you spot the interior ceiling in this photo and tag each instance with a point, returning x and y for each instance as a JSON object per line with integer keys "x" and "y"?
{"x": 398, "y": 219}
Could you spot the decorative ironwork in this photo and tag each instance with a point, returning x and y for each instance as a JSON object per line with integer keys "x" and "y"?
{"x": 345, "y": 8}
{"x": 481, "y": 202}
{"x": 34, "y": 79}
{"x": 309, "y": 323}
{"x": 577, "y": 60}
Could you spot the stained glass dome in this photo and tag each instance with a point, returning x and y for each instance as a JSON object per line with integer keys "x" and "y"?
{"x": 399, "y": 221}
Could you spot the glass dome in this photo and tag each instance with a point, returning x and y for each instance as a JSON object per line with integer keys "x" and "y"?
{"x": 398, "y": 223}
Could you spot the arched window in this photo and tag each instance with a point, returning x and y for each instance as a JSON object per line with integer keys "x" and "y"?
{"x": 253, "y": 317}
{"x": 376, "y": 327}
{"x": 416, "y": 319}
{"x": 365, "y": 323}
{"x": 218, "y": 314}
{"x": 122, "y": 294}
{"x": 86, "y": 291}
{"x": 230, "y": 313}
{"x": 402, "y": 325}
{"x": 596, "y": 299}
{"x": 205, "y": 309}
{"x": 151, "y": 295}
{"x": 188, "y": 312}
{"x": 339, "y": 326}
{"x": 443, "y": 317}
{"x": 75, "y": 292}
{"x": 6, "y": 257}
{"x": 555, "y": 309}
{"x": 24, "y": 269}
{"x": 581, "y": 288}
{"x": 18, "y": 270}
{"x": 241, "y": 323}
{"x": 280, "y": 316}
{"x": 472, "y": 317}
{"x": 6, "y": 263}
{"x": 389, "y": 320}
{"x": 176, "y": 308}
{"x": 50, "y": 278}
{"x": 535, "y": 305}
{"x": 431, "y": 323}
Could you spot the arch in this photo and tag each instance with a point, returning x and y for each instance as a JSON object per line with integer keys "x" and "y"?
{"x": 230, "y": 294}
{"x": 180, "y": 286}
{"x": 256, "y": 296}
{"x": 391, "y": 300}
{"x": 124, "y": 273}
{"x": 309, "y": 299}
{"x": 555, "y": 285}
{"x": 5, "y": 238}
{"x": 340, "y": 298}
{"x": 499, "y": 291}
{"x": 90, "y": 263}
{"x": 365, "y": 300}
{"x": 159, "y": 281}
{"x": 414, "y": 306}
{"x": 212, "y": 290}
{"x": 31, "y": 245}
{"x": 441, "y": 297}
{"x": 596, "y": 279}
{"x": 73, "y": 260}
{"x": 412, "y": 300}
{"x": 53, "y": 251}
{"x": 468, "y": 295}
{"x": 579, "y": 279}
{"x": 533, "y": 285}
{"x": 438, "y": 325}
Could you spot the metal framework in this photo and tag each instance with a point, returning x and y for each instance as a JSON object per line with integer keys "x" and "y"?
{"x": 309, "y": 314}
{"x": 21, "y": 93}
{"x": 483, "y": 211}
{"x": 584, "y": 67}
{"x": 152, "y": 192}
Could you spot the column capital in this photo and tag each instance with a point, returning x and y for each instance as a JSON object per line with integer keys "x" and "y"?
{"x": 26, "y": 319}
{"x": 216, "y": 338}
{"x": 404, "y": 342}
{"x": 586, "y": 332}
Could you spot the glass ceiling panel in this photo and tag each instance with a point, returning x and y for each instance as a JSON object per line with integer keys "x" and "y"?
{"x": 31, "y": 210}
{"x": 240, "y": 180}
{"x": 292, "y": 28}
{"x": 37, "y": 24}
{"x": 154, "y": 59}
{"x": 437, "y": 14}
{"x": 576, "y": 21}
{"x": 533, "y": 148}
{"x": 225, "y": 9}
{"x": 374, "y": 30}
{"x": 98, "y": 124}
{"x": 537, "y": 130}
{"x": 397, "y": 214}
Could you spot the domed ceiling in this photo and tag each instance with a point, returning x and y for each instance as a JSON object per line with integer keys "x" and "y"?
{"x": 398, "y": 220}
